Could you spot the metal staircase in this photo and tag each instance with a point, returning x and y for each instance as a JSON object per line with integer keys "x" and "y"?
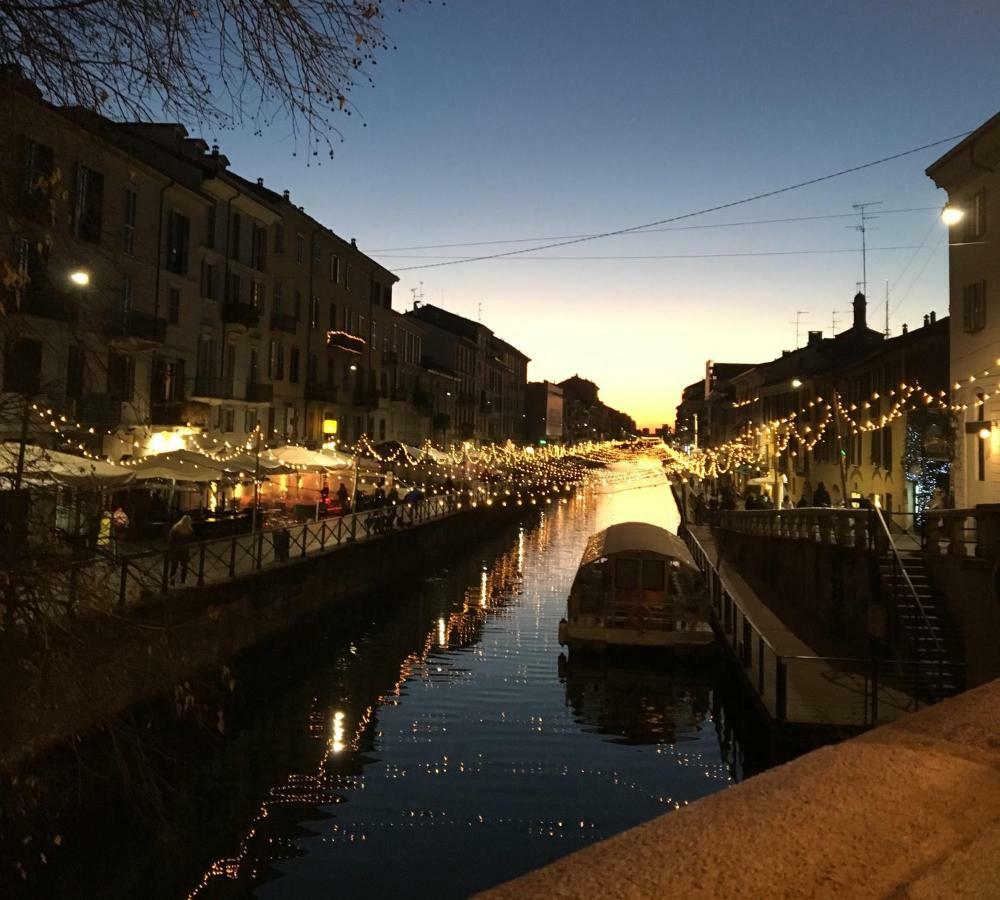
{"x": 929, "y": 648}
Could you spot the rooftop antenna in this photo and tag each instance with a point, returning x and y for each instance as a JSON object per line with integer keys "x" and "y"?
{"x": 417, "y": 293}
{"x": 480, "y": 305}
{"x": 887, "y": 307}
{"x": 862, "y": 209}
{"x": 799, "y": 313}
{"x": 837, "y": 313}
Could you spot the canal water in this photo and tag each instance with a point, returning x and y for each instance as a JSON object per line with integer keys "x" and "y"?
{"x": 432, "y": 742}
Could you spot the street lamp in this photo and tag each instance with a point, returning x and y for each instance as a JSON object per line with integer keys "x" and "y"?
{"x": 952, "y": 215}
{"x": 80, "y": 277}
{"x": 796, "y": 383}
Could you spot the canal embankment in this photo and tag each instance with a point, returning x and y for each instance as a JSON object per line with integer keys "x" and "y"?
{"x": 96, "y": 665}
{"x": 909, "y": 809}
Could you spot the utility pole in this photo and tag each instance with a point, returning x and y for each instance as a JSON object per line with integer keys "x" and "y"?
{"x": 799, "y": 313}
{"x": 862, "y": 209}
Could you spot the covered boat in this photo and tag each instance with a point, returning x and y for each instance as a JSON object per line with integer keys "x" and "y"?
{"x": 638, "y": 586}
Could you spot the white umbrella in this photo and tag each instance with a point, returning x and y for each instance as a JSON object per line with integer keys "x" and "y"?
{"x": 63, "y": 468}
{"x": 180, "y": 465}
{"x": 304, "y": 459}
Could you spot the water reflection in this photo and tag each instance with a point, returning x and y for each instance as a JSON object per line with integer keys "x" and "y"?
{"x": 418, "y": 743}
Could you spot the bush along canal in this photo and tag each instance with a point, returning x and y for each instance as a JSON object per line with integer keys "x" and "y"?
{"x": 425, "y": 739}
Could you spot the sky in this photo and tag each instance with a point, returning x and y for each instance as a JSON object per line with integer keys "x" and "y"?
{"x": 514, "y": 119}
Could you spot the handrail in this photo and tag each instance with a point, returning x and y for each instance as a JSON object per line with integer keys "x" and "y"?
{"x": 916, "y": 599}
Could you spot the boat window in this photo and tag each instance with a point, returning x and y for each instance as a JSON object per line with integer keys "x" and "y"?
{"x": 591, "y": 590}
{"x": 652, "y": 574}
{"x": 627, "y": 573}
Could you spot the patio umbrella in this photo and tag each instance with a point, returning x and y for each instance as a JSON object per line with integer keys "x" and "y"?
{"x": 41, "y": 465}
{"x": 180, "y": 465}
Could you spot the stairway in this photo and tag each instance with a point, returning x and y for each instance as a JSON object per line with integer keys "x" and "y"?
{"x": 924, "y": 632}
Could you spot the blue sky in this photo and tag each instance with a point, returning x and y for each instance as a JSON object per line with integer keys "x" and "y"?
{"x": 516, "y": 119}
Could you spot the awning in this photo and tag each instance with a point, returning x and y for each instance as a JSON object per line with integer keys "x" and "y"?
{"x": 63, "y": 468}
{"x": 305, "y": 460}
{"x": 180, "y": 465}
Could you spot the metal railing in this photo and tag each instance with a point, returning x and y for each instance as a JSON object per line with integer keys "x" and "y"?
{"x": 811, "y": 689}
{"x": 109, "y": 582}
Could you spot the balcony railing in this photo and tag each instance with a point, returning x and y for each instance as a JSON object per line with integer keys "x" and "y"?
{"x": 323, "y": 393}
{"x": 237, "y": 313}
{"x": 390, "y": 357}
{"x": 167, "y": 412}
{"x": 99, "y": 409}
{"x": 423, "y": 400}
{"x": 365, "y": 399}
{"x": 213, "y": 387}
{"x": 258, "y": 392}
{"x": 341, "y": 340}
{"x": 286, "y": 322}
{"x": 130, "y": 323}
{"x": 47, "y": 304}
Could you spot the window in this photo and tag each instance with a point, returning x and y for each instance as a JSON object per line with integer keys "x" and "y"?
{"x": 297, "y": 305}
{"x": 977, "y": 216}
{"x": 257, "y": 295}
{"x": 258, "y": 248}
{"x": 381, "y": 429}
{"x": 312, "y": 367}
{"x": 210, "y": 226}
{"x": 333, "y": 317}
{"x": 376, "y": 293}
{"x": 126, "y": 297}
{"x": 314, "y": 312}
{"x": 334, "y": 268}
{"x": 75, "y": 368}
{"x": 23, "y": 367}
{"x": 89, "y": 204}
{"x": 887, "y": 448}
{"x": 174, "y": 307}
{"x": 653, "y": 575}
{"x": 36, "y": 192}
{"x": 228, "y": 418}
{"x": 293, "y": 365}
{"x": 974, "y": 307}
{"x": 128, "y": 224}
{"x": 208, "y": 281}
{"x": 121, "y": 377}
{"x": 234, "y": 236}
{"x": 235, "y": 288}
{"x": 254, "y": 370}
{"x": 300, "y": 248}
{"x": 276, "y": 361}
{"x": 627, "y": 573}
{"x": 205, "y": 364}
{"x": 278, "y": 299}
{"x": 349, "y": 277}
{"x": 178, "y": 237}
{"x": 279, "y": 238}
{"x": 387, "y": 296}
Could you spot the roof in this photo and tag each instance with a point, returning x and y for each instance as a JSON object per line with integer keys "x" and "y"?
{"x": 628, "y": 537}
{"x": 964, "y": 144}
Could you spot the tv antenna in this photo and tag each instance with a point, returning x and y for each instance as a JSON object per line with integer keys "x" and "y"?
{"x": 862, "y": 226}
{"x": 417, "y": 293}
{"x": 799, "y": 313}
{"x": 837, "y": 313}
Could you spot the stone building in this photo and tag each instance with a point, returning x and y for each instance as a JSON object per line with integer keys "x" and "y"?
{"x": 544, "y": 409}
{"x": 969, "y": 173}
{"x": 586, "y": 418}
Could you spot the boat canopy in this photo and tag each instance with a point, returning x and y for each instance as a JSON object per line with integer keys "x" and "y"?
{"x": 632, "y": 537}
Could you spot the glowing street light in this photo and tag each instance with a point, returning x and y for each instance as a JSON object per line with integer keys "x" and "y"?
{"x": 796, "y": 383}
{"x": 80, "y": 277}
{"x": 952, "y": 215}
{"x": 984, "y": 433}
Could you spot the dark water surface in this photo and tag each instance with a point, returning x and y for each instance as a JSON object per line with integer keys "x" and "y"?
{"x": 424, "y": 743}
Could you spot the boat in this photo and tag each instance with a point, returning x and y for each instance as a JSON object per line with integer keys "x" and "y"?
{"x": 637, "y": 586}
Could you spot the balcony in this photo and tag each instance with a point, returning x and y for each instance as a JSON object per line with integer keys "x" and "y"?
{"x": 285, "y": 322}
{"x": 365, "y": 399}
{"x": 212, "y": 387}
{"x": 99, "y": 409}
{"x": 167, "y": 413}
{"x": 341, "y": 340}
{"x": 423, "y": 400}
{"x": 236, "y": 313}
{"x": 47, "y": 304}
{"x": 323, "y": 393}
{"x": 390, "y": 358}
{"x": 258, "y": 392}
{"x": 132, "y": 326}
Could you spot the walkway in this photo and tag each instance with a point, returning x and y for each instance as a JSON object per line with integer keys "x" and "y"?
{"x": 795, "y": 684}
{"x": 849, "y": 820}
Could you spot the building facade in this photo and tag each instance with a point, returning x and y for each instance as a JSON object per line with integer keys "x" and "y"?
{"x": 969, "y": 173}
{"x": 586, "y": 418}
{"x": 544, "y": 408}
{"x": 152, "y": 294}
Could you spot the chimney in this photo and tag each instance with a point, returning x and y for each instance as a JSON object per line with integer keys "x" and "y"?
{"x": 933, "y": 317}
{"x": 215, "y": 149}
{"x": 260, "y": 182}
{"x": 927, "y": 320}
{"x": 815, "y": 338}
{"x": 860, "y": 306}
{"x": 354, "y": 242}
{"x": 906, "y": 328}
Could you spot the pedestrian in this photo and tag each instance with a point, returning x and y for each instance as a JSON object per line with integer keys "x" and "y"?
{"x": 119, "y": 525}
{"x": 342, "y": 494}
{"x": 821, "y": 496}
{"x": 178, "y": 551}
{"x": 449, "y": 485}
{"x": 803, "y": 501}
{"x": 786, "y": 501}
{"x": 699, "y": 509}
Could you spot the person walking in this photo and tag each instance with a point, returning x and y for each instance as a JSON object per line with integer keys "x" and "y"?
{"x": 178, "y": 552}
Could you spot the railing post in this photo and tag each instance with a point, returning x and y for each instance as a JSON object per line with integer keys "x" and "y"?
{"x": 123, "y": 575}
{"x": 260, "y": 548}
{"x": 305, "y": 537}
{"x": 760, "y": 665}
{"x": 322, "y": 535}
{"x": 232, "y": 557}
{"x": 780, "y": 689}
{"x": 201, "y": 564}
{"x": 166, "y": 573}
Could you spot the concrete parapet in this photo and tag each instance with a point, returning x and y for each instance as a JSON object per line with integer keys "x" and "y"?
{"x": 911, "y": 809}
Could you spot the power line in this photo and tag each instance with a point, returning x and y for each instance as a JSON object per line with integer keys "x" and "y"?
{"x": 700, "y": 212}
{"x": 913, "y": 283}
{"x": 565, "y": 237}
{"x": 661, "y": 256}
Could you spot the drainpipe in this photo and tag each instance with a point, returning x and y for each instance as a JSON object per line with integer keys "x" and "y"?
{"x": 156, "y": 292}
